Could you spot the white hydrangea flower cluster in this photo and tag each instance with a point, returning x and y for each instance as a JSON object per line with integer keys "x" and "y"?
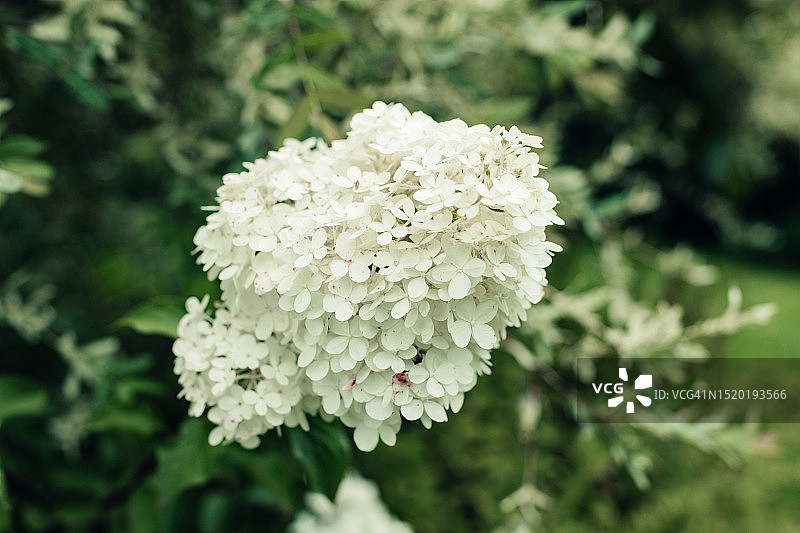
{"x": 366, "y": 280}
{"x": 358, "y": 509}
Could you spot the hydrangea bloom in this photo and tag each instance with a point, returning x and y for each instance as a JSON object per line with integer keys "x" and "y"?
{"x": 366, "y": 280}
{"x": 357, "y": 509}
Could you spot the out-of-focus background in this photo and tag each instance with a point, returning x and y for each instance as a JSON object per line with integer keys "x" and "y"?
{"x": 672, "y": 137}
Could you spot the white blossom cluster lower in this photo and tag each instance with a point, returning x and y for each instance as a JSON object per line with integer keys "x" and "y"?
{"x": 357, "y": 509}
{"x": 367, "y": 280}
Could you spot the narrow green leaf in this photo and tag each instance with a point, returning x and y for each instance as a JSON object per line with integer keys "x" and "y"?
{"x": 19, "y": 41}
{"x": 128, "y": 390}
{"x": 84, "y": 90}
{"x": 324, "y": 452}
{"x": 330, "y": 129}
{"x": 282, "y": 56}
{"x": 132, "y": 420}
{"x": 566, "y": 8}
{"x": 311, "y": 15}
{"x": 323, "y": 80}
{"x": 322, "y": 38}
{"x": 342, "y": 99}
{"x": 20, "y": 397}
{"x": 79, "y": 86}
{"x": 158, "y": 316}
{"x": 21, "y": 145}
{"x": 297, "y": 123}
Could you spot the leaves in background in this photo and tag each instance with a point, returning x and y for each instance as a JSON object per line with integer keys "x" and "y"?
{"x": 185, "y": 461}
{"x": 20, "y": 397}
{"x": 158, "y": 316}
{"x": 324, "y": 452}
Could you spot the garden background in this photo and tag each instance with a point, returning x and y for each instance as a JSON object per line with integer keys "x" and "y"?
{"x": 672, "y": 137}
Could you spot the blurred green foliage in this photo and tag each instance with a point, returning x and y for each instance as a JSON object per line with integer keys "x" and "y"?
{"x": 663, "y": 123}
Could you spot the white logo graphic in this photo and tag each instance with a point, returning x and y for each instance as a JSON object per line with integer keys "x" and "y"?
{"x": 645, "y": 381}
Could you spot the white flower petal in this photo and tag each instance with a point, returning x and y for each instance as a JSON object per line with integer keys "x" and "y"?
{"x": 401, "y": 308}
{"x": 461, "y": 333}
{"x": 358, "y": 348}
{"x": 485, "y": 311}
{"x": 344, "y": 311}
{"x": 378, "y": 410}
{"x": 459, "y": 286}
{"x": 434, "y": 388}
{"x": 484, "y": 336}
{"x": 331, "y": 402}
{"x": 412, "y": 410}
{"x": 474, "y": 267}
{"x": 359, "y": 273}
{"x": 417, "y": 289}
{"x": 418, "y": 374}
{"x": 338, "y": 268}
{"x": 366, "y": 438}
{"x": 384, "y": 238}
{"x": 388, "y": 435}
{"x": 302, "y": 301}
{"x": 435, "y": 411}
{"x": 336, "y": 345}
{"x": 442, "y": 273}
{"x": 317, "y": 370}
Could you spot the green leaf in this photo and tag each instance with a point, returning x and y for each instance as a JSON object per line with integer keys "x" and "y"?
{"x": 324, "y": 452}
{"x": 323, "y": 80}
{"x": 507, "y": 111}
{"x": 270, "y": 16}
{"x": 269, "y": 469}
{"x": 79, "y": 86}
{"x": 21, "y": 145}
{"x": 158, "y": 316}
{"x": 127, "y": 390}
{"x": 342, "y": 99}
{"x": 444, "y": 57}
{"x": 84, "y": 90}
{"x": 130, "y": 420}
{"x": 567, "y": 8}
{"x": 20, "y": 397}
{"x": 317, "y": 39}
{"x": 297, "y": 123}
{"x": 186, "y": 461}
{"x": 19, "y": 41}
{"x": 612, "y": 205}
{"x": 282, "y": 56}
{"x": 311, "y": 15}
{"x": 282, "y": 77}
{"x": 142, "y": 514}
{"x": 330, "y": 130}
{"x": 30, "y": 168}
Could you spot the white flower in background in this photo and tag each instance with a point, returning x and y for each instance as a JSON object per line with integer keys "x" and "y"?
{"x": 366, "y": 280}
{"x": 357, "y": 509}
